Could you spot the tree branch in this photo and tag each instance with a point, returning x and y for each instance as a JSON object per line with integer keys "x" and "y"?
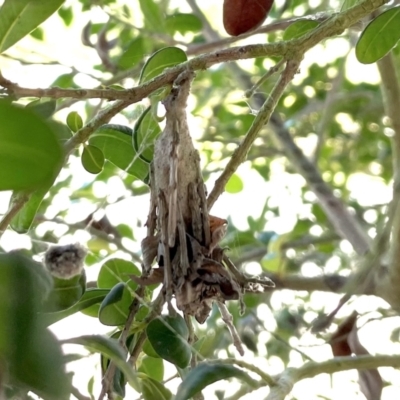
{"x": 269, "y": 380}
{"x": 389, "y": 286}
{"x": 272, "y": 27}
{"x": 288, "y": 378}
{"x": 324, "y": 283}
{"x": 291, "y": 49}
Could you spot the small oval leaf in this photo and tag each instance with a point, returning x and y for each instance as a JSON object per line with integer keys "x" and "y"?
{"x": 234, "y": 185}
{"x": 160, "y": 60}
{"x": 153, "y": 15}
{"x": 206, "y": 374}
{"x": 92, "y": 159}
{"x": 65, "y": 293}
{"x": 117, "y": 270}
{"x": 153, "y": 367}
{"x": 145, "y": 133}
{"x": 30, "y": 154}
{"x": 299, "y": 28}
{"x": 115, "y": 141}
{"x": 134, "y": 53}
{"x": 74, "y": 121}
{"x": 183, "y": 23}
{"x": 379, "y": 37}
{"x": 168, "y": 336}
{"x": 89, "y": 298}
{"x": 114, "y": 309}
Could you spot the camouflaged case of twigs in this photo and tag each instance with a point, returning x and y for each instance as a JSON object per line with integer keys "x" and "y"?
{"x": 181, "y": 236}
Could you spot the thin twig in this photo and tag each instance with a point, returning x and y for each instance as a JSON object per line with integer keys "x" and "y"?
{"x": 156, "y": 310}
{"x": 108, "y": 377}
{"x": 227, "y": 318}
{"x": 273, "y": 70}
{"x": 104, "y": 116}
{"x": 268, "y": 379}
{"x": 282, "y": 24}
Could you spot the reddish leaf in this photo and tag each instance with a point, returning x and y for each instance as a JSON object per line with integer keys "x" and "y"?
{"x": 338, "y": 342}
{"x": 243, "y": 15}
{"x": 345, "y": 342}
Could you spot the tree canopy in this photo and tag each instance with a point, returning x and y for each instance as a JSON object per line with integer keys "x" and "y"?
{"x": 283, "y": 267}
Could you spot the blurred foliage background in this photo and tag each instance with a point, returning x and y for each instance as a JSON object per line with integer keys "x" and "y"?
{"x": 333, "y": 111}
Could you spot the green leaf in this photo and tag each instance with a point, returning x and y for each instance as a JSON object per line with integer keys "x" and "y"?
{"x": 153, "y": 367}
{"x": 89, "y": 298}
{"x": 168, "y": 336}
{"x": 148, "y": 349}
{"x": 160, "y": 60}
{"x": 65, "y": 293}
{"x": 92, "y": 159}
{"x": 22, "y": 222}
{"x": 66, "y": 15}
{"x": 65, "y": 81}
{"x": 234, "y": 185}
{"x": 119, "y": 380}
{"x": 145, "y": 133}
{"x": 153, "y": 17}
{"x": 30, "y": 154}
{"x": 19, "y": 17}
{"x": 110, "y": 349}
{"x": 74, "y": 121}
{"x": 117, "y": 270}
{"x": 31, "y": 355}
{"x": 206, "y": 374}
{"x": 114, "y": 309}
{"x": 299, "y": 28}
{"x": 44, "y": 109}
{"x": 38, "y": 34}
{"x": 115, "y": 141}
{"x": 379, "y": 37}
{"x": 152, "y": 390}
{"x": 183, "y": 23}
{"x": 135, "y": 53}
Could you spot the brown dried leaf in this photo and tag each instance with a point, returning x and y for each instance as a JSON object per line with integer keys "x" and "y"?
{"x": 149, "y": 247}
{"x": 338, "y": 341}
{"x": 345, "y": 342}
{"x": 218, "y": 228}
{"x": 156, "y": 276}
